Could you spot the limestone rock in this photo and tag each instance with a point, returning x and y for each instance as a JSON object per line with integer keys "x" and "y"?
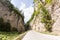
{"x": 17, "y": 23}
{"x": 54, "y": 10}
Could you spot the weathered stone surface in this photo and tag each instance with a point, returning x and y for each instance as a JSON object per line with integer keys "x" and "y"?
{"x": 54, "y": 10}
{"x": 12, "y": 17}
{"x": 37, "y": 25}
{"x": 55, "y": 14}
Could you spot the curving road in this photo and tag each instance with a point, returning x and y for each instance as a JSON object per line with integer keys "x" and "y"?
{"x": 33, "y": 35}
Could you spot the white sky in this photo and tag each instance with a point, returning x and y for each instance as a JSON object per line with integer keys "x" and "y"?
{"x": 25, "y": 7}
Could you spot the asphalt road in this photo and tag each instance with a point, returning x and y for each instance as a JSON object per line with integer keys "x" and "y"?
{"x": 33, "y": 35}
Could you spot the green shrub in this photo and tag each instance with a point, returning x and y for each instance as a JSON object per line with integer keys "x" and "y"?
{"x": 48, "y": 1}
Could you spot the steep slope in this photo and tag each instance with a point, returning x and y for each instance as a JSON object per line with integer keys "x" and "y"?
{"x": 53, "y": 7}
{"x": 11, "y": 15}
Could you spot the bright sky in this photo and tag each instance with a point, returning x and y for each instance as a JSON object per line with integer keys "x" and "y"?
{"x": 26, "y": 6}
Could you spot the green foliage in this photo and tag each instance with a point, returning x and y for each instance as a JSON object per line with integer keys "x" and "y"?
{"x": 48, "y": 1}
{"x": 8, "y": 35}
{"x": 46, "y": 16}
{"x": 46, "y": 19}
{"x": 35, "y": 1}
{"x": 39, "y": 6}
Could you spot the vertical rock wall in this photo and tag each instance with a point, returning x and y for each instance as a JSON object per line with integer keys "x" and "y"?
{"x": 54, "y": 10}
{"x": 15, "y": 20}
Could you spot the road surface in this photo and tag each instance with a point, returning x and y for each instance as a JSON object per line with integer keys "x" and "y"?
{"x": 33, "y": 35}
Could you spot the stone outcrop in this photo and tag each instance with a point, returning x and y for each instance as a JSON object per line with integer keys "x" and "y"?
{"x": 54, "y": 10}
{"x": 16, "y": 20}
{"x": 36, "y": 24}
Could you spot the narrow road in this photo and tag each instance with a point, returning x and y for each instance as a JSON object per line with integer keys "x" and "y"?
{"x": 33, "y": 35}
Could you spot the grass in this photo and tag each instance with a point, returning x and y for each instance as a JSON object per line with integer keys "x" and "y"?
{"x": 8, "y": 35}
{"x": 21, "y": 36}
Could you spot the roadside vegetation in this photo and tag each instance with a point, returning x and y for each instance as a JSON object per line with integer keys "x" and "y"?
{"x": 8, "y": 35}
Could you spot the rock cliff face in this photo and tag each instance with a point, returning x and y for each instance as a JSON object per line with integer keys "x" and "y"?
{"x": 54, "y": 10}
{"x": 16, "y": 21}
